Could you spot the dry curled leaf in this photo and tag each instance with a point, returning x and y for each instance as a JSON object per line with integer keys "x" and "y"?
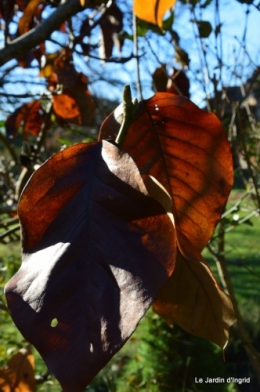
{"x": 110, "y": 25}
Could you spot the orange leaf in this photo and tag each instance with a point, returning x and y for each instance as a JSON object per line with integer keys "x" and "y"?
{"x": 192, "y": 299}
{"x": 34, "y": 119}
{"x": 85, "y": 101}
{"x": 18, "y": 375}
{"x": 65, "y": 106}
{"x": 187, "y": 151}
{"x": 152, "y": 11}
{"x": 77, "y": 106}
{"x": 29, "y": 115}
{"x": 25, "y": 23}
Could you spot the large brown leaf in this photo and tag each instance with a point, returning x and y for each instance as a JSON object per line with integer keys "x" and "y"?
{"x": 186, "y": 150}
{"x": 96, "y": 248}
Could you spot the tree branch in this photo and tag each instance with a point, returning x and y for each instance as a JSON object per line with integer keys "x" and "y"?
{"x": 42, "y": 32}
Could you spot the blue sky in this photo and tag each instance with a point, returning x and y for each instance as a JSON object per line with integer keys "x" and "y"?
{"x": 238, "y": 62}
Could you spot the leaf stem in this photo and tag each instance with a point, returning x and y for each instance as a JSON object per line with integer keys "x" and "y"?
{"x": 128, "y": 113}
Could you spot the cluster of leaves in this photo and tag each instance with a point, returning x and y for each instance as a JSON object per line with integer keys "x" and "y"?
{"x": 70, "y": 98}
{"x": 101, "y": 234}
{"x": 67, "y": 88}
{"x": 109, "y": 230}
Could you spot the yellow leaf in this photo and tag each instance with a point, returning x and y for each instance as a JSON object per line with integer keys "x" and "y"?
{"x": 18, "y": 375}
{"x": 152, "y": 11}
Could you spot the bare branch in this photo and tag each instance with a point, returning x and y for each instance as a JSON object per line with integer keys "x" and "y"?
{"x": 42, "y": 32}
{"x": 7, "y": 233}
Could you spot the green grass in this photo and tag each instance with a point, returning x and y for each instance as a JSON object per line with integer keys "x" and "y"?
{"x": 242, "y": 252}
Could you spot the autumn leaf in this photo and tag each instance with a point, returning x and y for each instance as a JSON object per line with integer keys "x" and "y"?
{"x": 152, "y": 11}
{"x": 76, "y": 105}
{"x": 187, "y": 151}
{"x": 191, "y": 296}
{"x": 18, "y": 375}
{"x": 204, "y": 28}
{"x": 96, "y": 248}
{"x": 84, "y": 99}
{"x": 47, "y": 64}
{"x": 26, "y": 21}
{"x": 30, "y": 116}
{"x": 63, "y": 66}
{"x": 178, "y": 83}
{"x": 175, "y": 83}
{"x": 65, "y": 106}
{"x": 110, "y": 25}
{"x": 160, "y": 79}
{"x": 192, "y": 299}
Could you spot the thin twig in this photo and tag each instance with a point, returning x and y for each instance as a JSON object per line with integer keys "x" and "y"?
{"x": 138, "y": 77}
{"x": 43, "y": 132}
{"x": 9, "y": 222}
{"x": 7, "y": 233}
{"x": 9, "y": 147}
{"x": 3, "y": 307}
